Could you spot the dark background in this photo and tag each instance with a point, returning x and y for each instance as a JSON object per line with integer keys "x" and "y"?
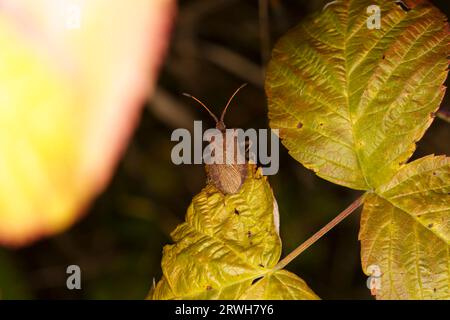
{"x": 216, "y": 46}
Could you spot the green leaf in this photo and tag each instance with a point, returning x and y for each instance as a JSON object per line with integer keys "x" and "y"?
{"x": 405, "y": 231}
{"x": 351, "y": 102}
{"x": 227, "y": 248}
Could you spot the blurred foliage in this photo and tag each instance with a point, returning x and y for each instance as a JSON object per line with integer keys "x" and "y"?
{"x": 62, "y": 90}
{"x": 118, "y": 245}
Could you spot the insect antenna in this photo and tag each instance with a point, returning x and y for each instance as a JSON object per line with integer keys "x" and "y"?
{"x": 229, "y": 101}
{"x": 203, "y": 105}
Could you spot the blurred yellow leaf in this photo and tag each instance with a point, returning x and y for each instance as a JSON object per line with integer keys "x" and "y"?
{"x": 73, "y": 76}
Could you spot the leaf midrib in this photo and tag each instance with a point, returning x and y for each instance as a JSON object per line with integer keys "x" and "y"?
{"x": 347, "y": 98}
{"x": 348, "y": 73}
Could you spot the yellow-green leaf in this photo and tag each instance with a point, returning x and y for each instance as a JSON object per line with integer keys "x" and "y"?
{"x": 227, "y": 244}
{"x": 405, "y": 231}
{"x": 351, "y": 102}
{"x": 280, "y": 285}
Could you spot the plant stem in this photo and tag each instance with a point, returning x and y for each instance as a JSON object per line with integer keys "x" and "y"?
{"x": 444, "y": 115}
{"x": 264, "y": 31}
{"x": 319, "y": 234}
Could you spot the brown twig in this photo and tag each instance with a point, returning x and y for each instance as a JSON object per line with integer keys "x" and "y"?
{"x": 264, "y": 32}
{"x": 444, "y": 115}
{"x": 319, "y": 234}
{"x": 233, "y": 63}
{"x": 169, "y": 110}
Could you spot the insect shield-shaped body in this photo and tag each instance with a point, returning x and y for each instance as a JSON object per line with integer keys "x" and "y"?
{"x": 227, "y": 171}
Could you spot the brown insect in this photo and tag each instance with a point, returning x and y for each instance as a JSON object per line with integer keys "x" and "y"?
{"x": 227, "y": 177}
